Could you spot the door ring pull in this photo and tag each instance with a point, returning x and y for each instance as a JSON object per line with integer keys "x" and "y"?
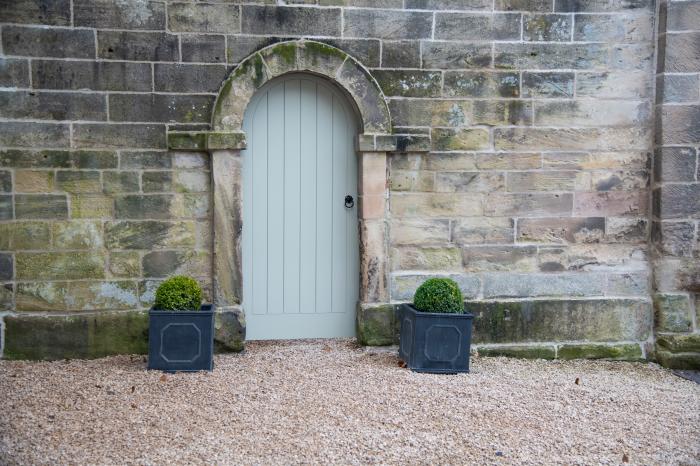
{"x": 349, "y": 202}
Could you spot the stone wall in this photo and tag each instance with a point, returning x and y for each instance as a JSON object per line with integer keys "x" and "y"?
{"x": 534, "y": 195}
{"x": 676, "y": 203}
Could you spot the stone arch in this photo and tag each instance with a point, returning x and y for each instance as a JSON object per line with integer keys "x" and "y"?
{"x": 301, "y": 56}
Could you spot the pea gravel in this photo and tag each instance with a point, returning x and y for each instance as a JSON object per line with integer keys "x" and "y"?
{"x": 329, "y": 401}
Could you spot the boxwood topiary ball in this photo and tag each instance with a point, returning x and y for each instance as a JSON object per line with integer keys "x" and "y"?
{"x": 439, "y": 295}
{"x": 178, "y": 293}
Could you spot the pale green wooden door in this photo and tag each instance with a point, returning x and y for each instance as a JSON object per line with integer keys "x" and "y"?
{"x": 300, "y": 241}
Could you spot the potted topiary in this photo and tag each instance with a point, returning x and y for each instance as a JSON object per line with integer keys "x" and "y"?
{"x": 181, "y": 329}
{"x": 436, "y": 331}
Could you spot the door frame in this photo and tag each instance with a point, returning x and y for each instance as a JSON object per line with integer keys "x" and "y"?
{"x": 226, "y": 140}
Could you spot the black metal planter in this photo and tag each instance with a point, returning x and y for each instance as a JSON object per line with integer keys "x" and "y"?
{"x": 181, "y": 340}
{"x": 435, "y": 342}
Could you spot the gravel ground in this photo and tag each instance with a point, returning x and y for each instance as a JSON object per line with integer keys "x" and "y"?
{"x": 333, "y": 402}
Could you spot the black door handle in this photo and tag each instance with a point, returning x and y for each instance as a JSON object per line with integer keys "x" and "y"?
{"x": 349, "y": 202}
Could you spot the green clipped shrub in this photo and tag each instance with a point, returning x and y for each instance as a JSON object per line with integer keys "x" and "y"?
{"x": 178, "y": 293}
{"x": 439, "y": 295}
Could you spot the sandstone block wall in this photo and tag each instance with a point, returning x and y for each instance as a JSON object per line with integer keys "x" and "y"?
{"x": 534, "y": 195}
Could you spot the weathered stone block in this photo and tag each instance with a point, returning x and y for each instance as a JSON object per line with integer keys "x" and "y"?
{"x": 191, "y": 181}
{"x": 613, "y": 84}
{"x": 620, "y": 352}
{"x": 682, "y": 53}
{"x": 377, "y": 325}
{"x": 550, "y": 56}
{"x": 6, "y": 207}
{"x": 14, "y": 72}
{"x": 419, "y": 231}
{"x": 494, "y": 26}
{"x": 403, "y": 287}
{"x": 161, "y": 108}
{"x": 426, "y": 258}
{"x": 178, "y": 77}
{"x": 677, "y": 201}
{"x": 78, "y": 181}
{"x": 149, "y": 235}
{"x": 460, "y": 139}
{"x": 137, "y": 46}
{"x": 292, "y": 21}
{"x": 481, "y": 84}
{"x": 118, "y": 135}
{"x": 191, "y": 160}
{"x": 482, "y": 231}
{"x": 686, "y": 343}
{"x": 683, "y": 16}
{"x": 548, "y": 84}
{"x": 5, "y": 181}
{"x": 94, "y": 159}
{"x": 161, "y": 264}
{"x": 599, "y": 320}
{"x": 412, "y": 181}
{"x": 528, "y": 204}
{"x": 618, "y": 203}
{"x": 560, "y": 230}
{"x": 21, "y": 134}
{"x": 677, "y": 88}
{"x": 479, "y": 182}
{"x": 6, "y": 267}
{"x": 677, "y": 274}
{"x": 144, "y": 160}
{"x": 683, "y": 361}
{"x": 508, "y": 161}
{"x": 522, "y": 352}
{"x": 59, "y": 265}
{"x": 593, "y": 257}
{"x": 500, "y": 258}
{"x": 672, "y": 313}
{"x": 134, "y": 206}
{"x": 448, "y": 4}
{"x": 157, "y": 181}
{"x": 401, "y": 54}
{"x": 77, "y": 336}
{"x": 409, "y": 83}
{"x": 55, "y": 13}
{"x": 106, "y": 14}
{"x": 673, "y": 238}
{"x": 203, "y": 48}
{"x": 386, "y": 24}
{"x": 511, "y": 285}
{"x": 589, "y": 6}
{"x": 99, "y": 76}
{"x": 24, "y": 235}
{"x": 436, "y": 205}
{"x": 229, "y": 330}
{"x": 54, "y": 105}
{"x": 77, "y": 235}
{"x": 613, "y": 28}
{"x": 124, "y": 264}
{"x": 626, "y": 230}
{"x": 76, "y": 296}
{"x": 6, "y": 297}
{"x": 628, "y": 284}
{"x": 547, "y": 27}
{"x": 91, "y": 206}
{"x": 447, "y": 55}
{"x": 366, "y": 51}
{"x": 48, "y": 42}
{"x": 542, "y": 181}
{"x": 32, "y": 159}
{"x": 591, "y": 113}
{"x": 45, "y": 206}
{"x": 120, "y": 182}
{"x": 678, "y": 123}
{"x": 558, "y": 139}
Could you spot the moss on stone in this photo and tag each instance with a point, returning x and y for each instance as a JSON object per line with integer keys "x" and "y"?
{"x": 524, "y": 352}
{"x": 286, "y": 51}
{"x": 187, "y": 140}
{"x": 376, "y": 325}
{"x": 684, "y": 361}
{"x": 320, "y": 49}
{"x": 625, "y": 352}
{"x": 684, "y": 343}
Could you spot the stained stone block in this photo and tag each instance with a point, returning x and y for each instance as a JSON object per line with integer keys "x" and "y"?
{"x": 449, "y": 182}
{"x": 188, "y": 17}
{"x": 179, "y": 77}
{"x": 41, "y": 296}
{"x": 106, "y": 14}
{"x": 387, "y": 24}
{"x": 229, "y": 330}
{"x": 45, "y": 206}
{"x": 124, "y": 264}
{"x": 678, "y": 123}
{"x": 401, "y": 54}
{"x": 618, "y": 203}
{"x": 77, "y": 296}
{"x": 677, "y": 201}
{"x": 134, "y": 206}
{"x": 78, "y": 181}
{"x": 481, "y": 84}
{"x": 528, "y": 204}
{"x": 144, "y": 160}
{"x": 496, "y": 26}
{"x": 673, "y": 238}
{"x": 482, "y": 231}
{"x": 77, "y": 235}
{"x": 190, "y": 160}
{"x": 419, "y": 231}
{"x": 591, "y": 113}
{"x": 55, "y": 13}
{"x": 6, "y": 207}
{"x": 686, "y": 343}
{"x": 6, "y": 267}
{"x": 119, "y": 135}
{"x": 508, "y": 161}
{"x": 120, "y": 182}
{"x": 607, "y": 139}
{"x": 91, "y": 206}
{"x": 549, "y": 27}
{"x": 366, "y": 51}
{"x": 137, "y": 46}
{"x": 683, "y": 361}
{"x": 455, "y": 113}
{"x": 59, "y": 265}
{"x": 409, "y": 83}
{"x": 6, "y": 297}
{"x": 377, "y": 325}
{"x": 24, "y": 235}
{"x": 620, "y": 352}
{"x": 53, "y": 105}
{"x": 5, "y": 181}
{"x": 32, "y": 159}
{"x": 161, "y": 108}
{"x": 14, "y": 72}
{"x": 426, "y": 258}
{"x": 550, "y": 56}
{"x": 436, "y": 205}
{"x": 192, "y": 205}
{"x": 161, "y": 264}
{"x": 21, "y": 134}
{"x": 448, "y": 4}
{"x": 403, "y": 287}
{"x": 523, "y": 5}
{"x": 48, "y": 42}
{"x": 94, "y": 159}
{"x": 682, "y": 54}
{"x": 672, "y": 313}
{"x": 458, "y": 55}
{"x": 203, "y": 48}
{"x": 595, "y": 320}
{"x": 462, "y": 139}
{"x": 499, "y": 258}
{"x": 613, "y": 84}
{"x": 588, "y": 6}
{"x": 511, "y": 285}
{"x": 683, "y": 16}
{"x": 78, "y": 336}
{"x": 678, "y": 88}
{"x": 293, "y": 21}
{"x": 548, "y": 84}
{"x": 628, "y": 284}
{"x": 626, "y": 230}
{"x": 613, "y": 28}
{"x": 559, "y": 230}
{"x": 191, "y": 181}
{"x": 99, "y": 76}
{"x": 522, "y": 352}
{"x": 542, "y": 181}
{"x": 157, "y": 181}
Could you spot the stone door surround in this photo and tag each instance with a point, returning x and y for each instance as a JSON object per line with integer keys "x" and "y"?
{"x": 226, "y": 140}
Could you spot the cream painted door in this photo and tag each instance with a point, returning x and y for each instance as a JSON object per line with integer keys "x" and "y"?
{"x": 300, "y": 240}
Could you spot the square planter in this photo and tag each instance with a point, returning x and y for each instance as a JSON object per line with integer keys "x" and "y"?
{"x": 181, "y": 340}
{"x": 435, "y": 342}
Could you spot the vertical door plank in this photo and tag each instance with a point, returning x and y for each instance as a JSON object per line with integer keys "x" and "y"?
{"x": 275, "y": 200}
{"x": 292, "y": 190}
{"x": 307, "y": 254}
{"x": 324, "y": 201}
{"x": 258, "y": 213}
{"x": 340, "y": 278}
